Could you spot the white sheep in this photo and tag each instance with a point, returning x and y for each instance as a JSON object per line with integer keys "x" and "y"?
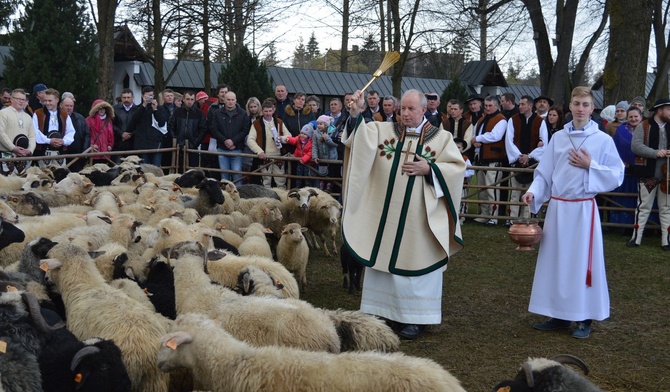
{"x": 120, "y": 229}
{"x": 258, "y": 320}
{"x": 293, "y": 252}
{"x": 95, "y": 309}
{"x": 73, "y": 189}
{"x": 324, "y": 221}
{"x": 222, "y": 363}
{"x": 226, "y": 271}
{"x": 254, "y": 243}
{"x": 233, "y": 222}
{"x": 11, "y": 183}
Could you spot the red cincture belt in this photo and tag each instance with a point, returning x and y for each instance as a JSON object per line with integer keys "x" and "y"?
{"x": 593, "y": 220}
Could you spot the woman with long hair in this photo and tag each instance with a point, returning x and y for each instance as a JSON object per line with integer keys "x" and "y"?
{"x": 554, "y": 120}
{"x": 254, "y": 111}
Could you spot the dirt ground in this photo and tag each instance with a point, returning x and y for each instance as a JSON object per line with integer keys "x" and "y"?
{"x": 487, "y": 331}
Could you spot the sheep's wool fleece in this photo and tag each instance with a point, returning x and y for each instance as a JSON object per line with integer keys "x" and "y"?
{"x": 572, "y": 225}
{"x": 393, "y": 222}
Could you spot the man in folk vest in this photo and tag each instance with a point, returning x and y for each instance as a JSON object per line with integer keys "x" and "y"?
{"x": 459, "y": 126}
{"x": 54, "y": 130}
{"x": 524, "y": 143}
{"x": 389, "y": 110}
{"x": 490, "y": 151}
{"x": 650, "y": 146}
{"x": 265, "y": 141}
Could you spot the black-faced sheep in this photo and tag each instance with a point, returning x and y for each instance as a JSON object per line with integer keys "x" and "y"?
{"x": 549, "y": 375}
{"x": 222, "y": 363}
{"x": 94, "y": 365}
{"x": 210, "y": 197}
{"x": 190, "y": 178}
{"x": 258, "y": 320}
{"x": 94, "y": 309}
{"x": 9, "y": 234}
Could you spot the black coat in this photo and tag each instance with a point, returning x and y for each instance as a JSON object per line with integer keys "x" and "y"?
{"x": 224, "y": 126}
{"x": 188, "y": 124}
{"x": 82, "y": 135}
{"x": 295, "y": 119}
{"x": 121, "y": 122}
{"x": 145, "y": 135}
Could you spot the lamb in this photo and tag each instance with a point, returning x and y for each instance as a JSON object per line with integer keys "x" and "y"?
{"x": 254, "y": 243}
{"x": 95, "y": 309}
{"x": 223, "y": 363}
{"x": 293, "y": 252}
{"x": 324, "y": 221}
{"x": 226, "y": 271}
{"x": 549, "y": 375}
{"x": 93, "y": 365}
{"x": 258, "y": 320}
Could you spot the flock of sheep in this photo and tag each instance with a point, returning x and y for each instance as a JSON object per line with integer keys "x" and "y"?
{"x": 122, "y": 279}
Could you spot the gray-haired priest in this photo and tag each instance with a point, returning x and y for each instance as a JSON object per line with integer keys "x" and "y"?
{"x": 402, "y": 192}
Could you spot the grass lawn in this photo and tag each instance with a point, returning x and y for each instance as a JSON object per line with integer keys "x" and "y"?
{"x": 486, "y": 329}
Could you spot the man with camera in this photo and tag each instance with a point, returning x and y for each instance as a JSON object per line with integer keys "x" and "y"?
{"x": 148, "y": 126}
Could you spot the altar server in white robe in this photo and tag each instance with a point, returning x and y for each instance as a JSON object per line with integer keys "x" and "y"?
{"x": 580, "y": 161}
{"x": 402, "y": 192}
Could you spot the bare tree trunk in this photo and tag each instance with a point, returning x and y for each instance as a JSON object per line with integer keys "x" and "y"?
{"x": 660, "y": 86}
{"x": 541, "y": 38}
{"x": 382, "y": 26}
{"x": 626, "y": 64}
{"x": 565, "y": 27}
{"x": 483, "y": 30}
{"x": 159, "y": 79}
{"x": 105, "y": 25}
{"x": 206, "y": 63}
{"x": 396, "y": 75}
{"x": 344, "y": 52}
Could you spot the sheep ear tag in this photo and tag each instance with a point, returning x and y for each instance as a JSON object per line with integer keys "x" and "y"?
{"x": 171, "y": 344}
{"x": 3, "y": 346}
{"x": 78, "y": 378}
{"x": 44, "y": 267}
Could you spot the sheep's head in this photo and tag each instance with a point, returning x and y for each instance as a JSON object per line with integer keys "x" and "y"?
{"x": 72, "y": 183}
{"x": 170, "y": 354}
{"x": 99, "y": 364}
{"x": 253, "y": 281}
{"x": 7, "y": 213}
{"x": 301, "y": 197}
{"x": 293, "y": 232}
{"x": 536, "y": 372}
{"x": 213, "y": 190}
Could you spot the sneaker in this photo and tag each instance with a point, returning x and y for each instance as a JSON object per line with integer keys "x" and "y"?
{"x": 552, "y": 324}
{"x": 490, "y": 222}
{"x": 582, "y": 330}
{"x": 632, "y": 244}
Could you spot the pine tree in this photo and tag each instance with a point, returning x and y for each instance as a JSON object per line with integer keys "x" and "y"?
{"x": 247, "y": 76}
{"x": 455, "y": 90}
{"x": 54, "y": 43}
{"x": 299, "y": 55}
{"x": 312, "y": 48}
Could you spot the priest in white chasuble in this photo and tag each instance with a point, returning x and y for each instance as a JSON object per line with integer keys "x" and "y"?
{"x": 402, "y": 193}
